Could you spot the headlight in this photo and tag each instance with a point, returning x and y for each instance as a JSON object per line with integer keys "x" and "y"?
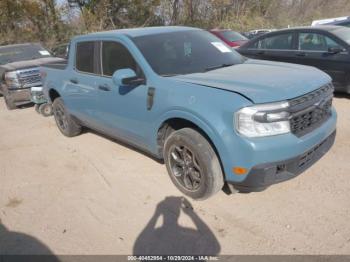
{"x": 11, "y": 80}
{"x": 263, "y": 120}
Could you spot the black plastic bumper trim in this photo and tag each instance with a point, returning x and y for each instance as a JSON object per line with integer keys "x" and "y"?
{"x": 262, "y": 176}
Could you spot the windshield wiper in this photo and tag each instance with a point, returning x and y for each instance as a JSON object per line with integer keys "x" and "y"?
{"x": 217, "y": 67}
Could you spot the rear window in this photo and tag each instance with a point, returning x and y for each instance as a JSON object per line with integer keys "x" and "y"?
{"x": 232, "y": 36}
{"x": 85, "y": 57}
{"x": 23, "y": 52}
{"x": 343, "y": 33}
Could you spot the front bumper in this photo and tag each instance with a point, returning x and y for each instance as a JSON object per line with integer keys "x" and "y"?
{"x": 264, "y": 175}
{"x": 254, "y": 153}
{"x": 19, "y": 95}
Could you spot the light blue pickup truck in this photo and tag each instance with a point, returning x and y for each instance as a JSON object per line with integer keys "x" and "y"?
{"x": 217, "y": 119}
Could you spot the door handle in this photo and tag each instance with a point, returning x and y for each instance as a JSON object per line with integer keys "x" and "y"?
{"x": 74, "y": 81}
{"x": 150, "y": 97}
{"x": 260, "y": 52}
{"x": 104, "y": 88}
{"x": 301, "y": 54}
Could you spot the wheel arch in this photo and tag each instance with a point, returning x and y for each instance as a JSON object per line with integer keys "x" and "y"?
{"x": 53, "y": 94}
{"x": 177, "y": 121}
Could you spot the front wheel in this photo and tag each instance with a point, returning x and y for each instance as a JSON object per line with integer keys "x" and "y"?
{"x": 45, "y": 109}
{"x": 65, "y": 123}
{"x": 192, "y": 164}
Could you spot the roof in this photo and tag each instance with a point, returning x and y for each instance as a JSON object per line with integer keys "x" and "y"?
{"x": 18, "y": 45}
{"x": 219, "y": 30}
{"x": 331, "y": 20}
{"x": 320, "y": 27}
{"x": 328, "y": 28}
{"x": 135, "y": 32}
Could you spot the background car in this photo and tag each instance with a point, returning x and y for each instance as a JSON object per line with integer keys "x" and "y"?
{"x": 19, "y": 71}
{"x": 340, "y": 21}
{"x": 232, "y": 38}
{"x": 325, "y": 47}
{"x": 257, "y": 32}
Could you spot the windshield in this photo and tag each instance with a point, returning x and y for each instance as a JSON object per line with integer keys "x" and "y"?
{"x": 343, "y": 33}
{"x": 233, "y": 36}
{"x": 24, "y": 52}
{"x": 186, "y": 52}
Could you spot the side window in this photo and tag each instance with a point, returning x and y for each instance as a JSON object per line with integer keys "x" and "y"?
{"x": 254, "y": 45}
{"x": 115, "y": 56}
{"x": 316, "y": 42}
{"x": 85, "y": 57}
{"x": 282, "y": 42}
{"x": 331, "y": 43}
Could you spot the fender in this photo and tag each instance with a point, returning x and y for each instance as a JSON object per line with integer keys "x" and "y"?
{"x": 195, "y": 119}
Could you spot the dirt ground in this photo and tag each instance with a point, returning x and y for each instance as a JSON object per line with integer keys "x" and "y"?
{"x": 92, "y": 195}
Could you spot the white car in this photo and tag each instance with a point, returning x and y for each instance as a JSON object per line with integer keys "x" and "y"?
{"x": 335, "y": 20}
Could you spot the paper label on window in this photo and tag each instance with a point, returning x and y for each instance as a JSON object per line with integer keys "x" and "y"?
{"x": 222, "y": 48}
{"x": 44, "y": 52}
{"x": 187, "y": 49}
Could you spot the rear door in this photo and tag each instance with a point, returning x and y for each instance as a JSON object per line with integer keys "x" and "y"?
{"x": 313, "y": 50}
{"x": 276, "y": 47}
{"x": 80, "y": 89}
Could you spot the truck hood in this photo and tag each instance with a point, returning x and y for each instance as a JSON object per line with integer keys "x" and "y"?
{"x": 262, "y": 81}
{"x": 29, "y": 63}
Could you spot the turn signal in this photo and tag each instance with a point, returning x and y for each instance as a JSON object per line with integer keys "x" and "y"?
{"x": 239, "y": 170}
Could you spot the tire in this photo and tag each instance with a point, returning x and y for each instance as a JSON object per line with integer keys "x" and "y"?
{"x": 10, "y": 104}
{"x": 64, "y": 121}
{"x": 192, "y": 164}
{"x": 45, "y": 109}
{"x": 36, "y": 107}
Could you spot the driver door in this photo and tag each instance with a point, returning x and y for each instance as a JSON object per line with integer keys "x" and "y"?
{"x": 122, "y": 110}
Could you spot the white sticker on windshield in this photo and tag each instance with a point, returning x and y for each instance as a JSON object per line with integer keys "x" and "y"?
{"x": 222, "y": 48}
{"x": 44, "y": 52}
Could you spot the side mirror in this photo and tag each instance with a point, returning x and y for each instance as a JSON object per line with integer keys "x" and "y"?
{"x": 127, "y": 76}
{"x": 335, "y": 50}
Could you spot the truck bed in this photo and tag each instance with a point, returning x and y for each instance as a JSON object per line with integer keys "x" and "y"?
{"x": 61, "y": 65}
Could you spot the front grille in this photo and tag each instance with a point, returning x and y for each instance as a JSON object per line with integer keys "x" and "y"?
{"x": 324, "y": 91}
{"x": 311, "y": 110}
{"x": 29, "y": 77}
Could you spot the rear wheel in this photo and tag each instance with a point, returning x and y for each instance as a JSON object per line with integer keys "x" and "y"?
{"x": 10, "y": 104}
{"x": 65, "y": 123}
{"x": 192, "y": 164}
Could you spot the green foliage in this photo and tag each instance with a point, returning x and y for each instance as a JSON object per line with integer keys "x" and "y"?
{"x": 50, "y": 23}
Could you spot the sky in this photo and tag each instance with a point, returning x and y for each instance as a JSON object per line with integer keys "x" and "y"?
{"x": 61, "y": 1}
